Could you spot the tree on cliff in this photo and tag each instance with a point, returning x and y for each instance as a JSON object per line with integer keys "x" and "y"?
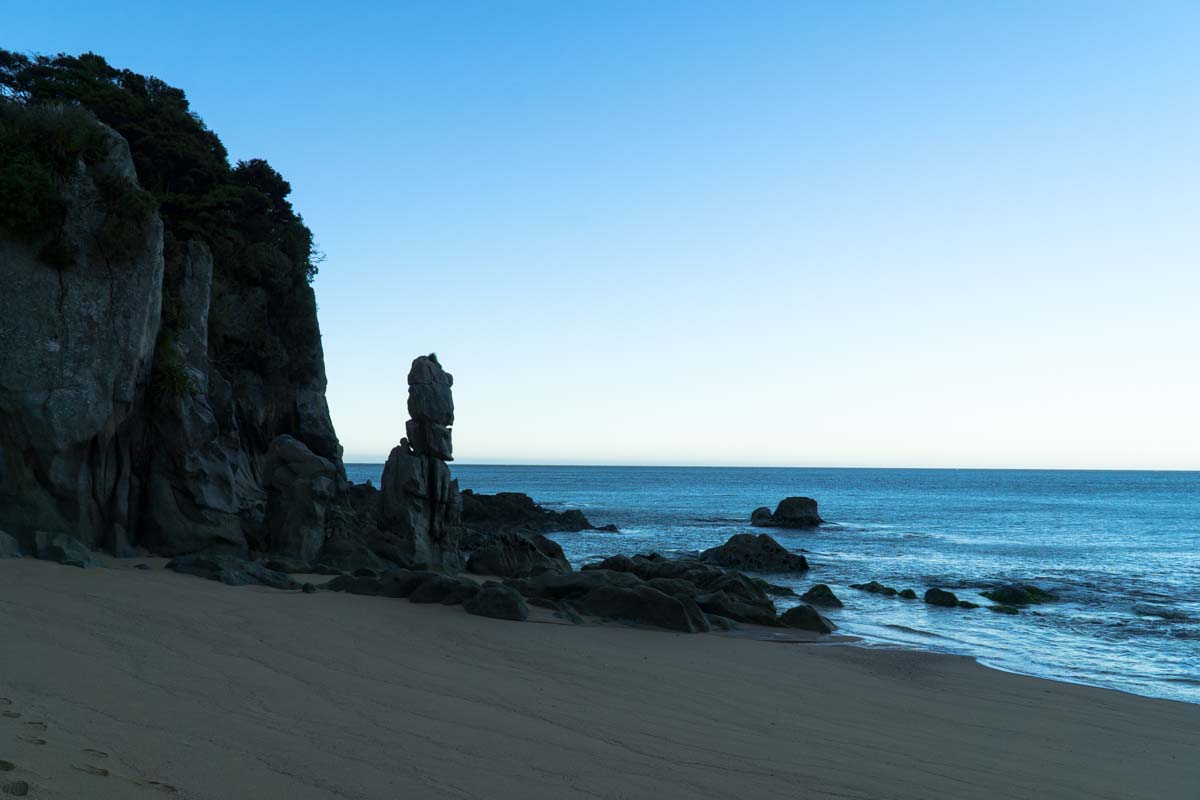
{"x": 262, "y": 319}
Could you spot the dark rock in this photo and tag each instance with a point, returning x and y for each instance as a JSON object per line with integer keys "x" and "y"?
{"x": 609, "y": 528}
{"x": 775, "y": 590}
{"x": 498, "y": 601}
{"x": 761, "y": 553}
{"x": 807, "y": 618}
{"x": 300, "y": 485}
{"x": 289, "y": 566}
{"x": 644, "y": 605}
{"x": 908, "y": 594}
{"x": 1018, "y": 595}
{"x": 513, "y": 511}
{"x": 351, "y": 584}
{"x": 940, "y": 597}
{"x": 231, "y": 571}
{"x": 403, "y": 582}
{"x": 719, "y": 623}
{"x": 1010, "y": 610}
{"x": 63, "y": 549}
{"x": 567, "y": 611}
{"x": 444, "y": 589}
{"x": 9, "y": 547}
{"x": 509, "y": 554}
{"x": 967, "y": 604}
{"x": 716, "y": 590}
{"x": 141, "y": 566}
{"x": 821, "y": 595}
{"x": 308, "y": 588}
{"x": 792, "y": 512}
{"x": 874, "y": 587}
{"x": 345, "y": 554}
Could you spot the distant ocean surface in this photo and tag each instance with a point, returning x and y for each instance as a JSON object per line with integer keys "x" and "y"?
{"x": 1122, "y": 549}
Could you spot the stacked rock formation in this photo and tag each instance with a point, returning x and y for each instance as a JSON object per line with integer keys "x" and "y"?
{"x": 420, "y": 503}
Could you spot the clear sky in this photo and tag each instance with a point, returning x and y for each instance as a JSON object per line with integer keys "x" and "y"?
{"x": 794, "y": 233}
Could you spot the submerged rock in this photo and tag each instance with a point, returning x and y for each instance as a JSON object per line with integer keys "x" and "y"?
{"x": 232, "y": 571}
{"x": 497, "y": 601}
{"x": 821, "y": 595}
{"x": 807, "y": 618}
{"x": 1010, "y": 610}
{"x": 761, "y": 553}
{"x": 1018, "y": 595}
{"x": 875, "y": 587}
{"x": 940, "y": 597}
{"x": 792, "y": 512}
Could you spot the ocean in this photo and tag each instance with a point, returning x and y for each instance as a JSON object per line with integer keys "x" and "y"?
{"x": 1121, "y": 549}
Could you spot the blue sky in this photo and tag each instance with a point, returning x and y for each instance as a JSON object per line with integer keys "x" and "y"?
{"x": 826, "y": 234}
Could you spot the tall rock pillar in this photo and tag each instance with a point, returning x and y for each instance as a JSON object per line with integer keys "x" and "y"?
{"x": 420, "y": 502}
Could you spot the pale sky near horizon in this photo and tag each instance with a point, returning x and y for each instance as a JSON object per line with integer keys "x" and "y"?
{"x": 751, "y": 233}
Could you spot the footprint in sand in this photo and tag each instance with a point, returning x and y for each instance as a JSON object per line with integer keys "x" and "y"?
{"x": 90, "y": 770}
{"x": 4, "y": 701}
{"x": 15, "y": 789}
{"x": 96, "y": 753}
{"x": 162, "y": 787}
{"x": 36, "y": 726}
{"x": 10, "y": 714}
{"x": 32, "y": 740}
{"x": 7, "y": 766}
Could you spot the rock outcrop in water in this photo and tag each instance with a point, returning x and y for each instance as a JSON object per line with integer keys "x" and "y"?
{"x": 792, "y": 512}
{"x": 760, "y": 553}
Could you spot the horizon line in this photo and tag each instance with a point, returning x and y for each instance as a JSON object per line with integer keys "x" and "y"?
{"x": 382, "y": 461}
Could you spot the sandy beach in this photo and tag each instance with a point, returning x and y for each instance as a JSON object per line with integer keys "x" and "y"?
{"x": 124, "y": 683}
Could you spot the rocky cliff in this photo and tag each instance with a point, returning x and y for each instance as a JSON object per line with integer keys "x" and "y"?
{"x": 118, "y": 428}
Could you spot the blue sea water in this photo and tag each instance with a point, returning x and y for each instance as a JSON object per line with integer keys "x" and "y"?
{"x": 1121, "y": 549}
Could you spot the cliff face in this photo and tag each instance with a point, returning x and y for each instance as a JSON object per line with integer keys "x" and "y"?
{"x": 124, "y": 434}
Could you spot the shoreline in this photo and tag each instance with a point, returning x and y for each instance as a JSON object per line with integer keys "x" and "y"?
{"x": 336, "y": 695}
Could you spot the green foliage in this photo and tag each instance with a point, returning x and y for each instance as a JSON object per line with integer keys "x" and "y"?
{"x": 261, "y": 248}
{"x": 170, "y": 380}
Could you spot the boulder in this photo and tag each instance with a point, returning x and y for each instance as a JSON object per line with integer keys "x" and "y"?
{"x": 300, "y": 486}
{"x": 907, "y": 594}
{"x": 232, "y": 571}
{"x": 940, "y": 597}
{"x": 513, "y": 511}
{"x": 643, "y": 604}
{"x": 874, "y": 587}
{"x": 9, "y": 547}
{"x": 497, "y": 601}
{"x": 509, "y": 554}
{"x": 821, "y": 595}
{"x": 444, "y": 589}
{"x": 1018, "y": 595}
{"x": 807, "y": 618}
{"x": 63, "y": 549}
{"x": 1010, "y": 610}
{"x": 792, "y": 512}
{"x": 761, "y": 553}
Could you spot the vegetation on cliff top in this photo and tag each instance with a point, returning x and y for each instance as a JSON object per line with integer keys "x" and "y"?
{"x": 262, "y": 323}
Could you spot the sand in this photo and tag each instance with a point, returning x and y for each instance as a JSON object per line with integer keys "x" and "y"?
{"x": 120, "y": 683}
